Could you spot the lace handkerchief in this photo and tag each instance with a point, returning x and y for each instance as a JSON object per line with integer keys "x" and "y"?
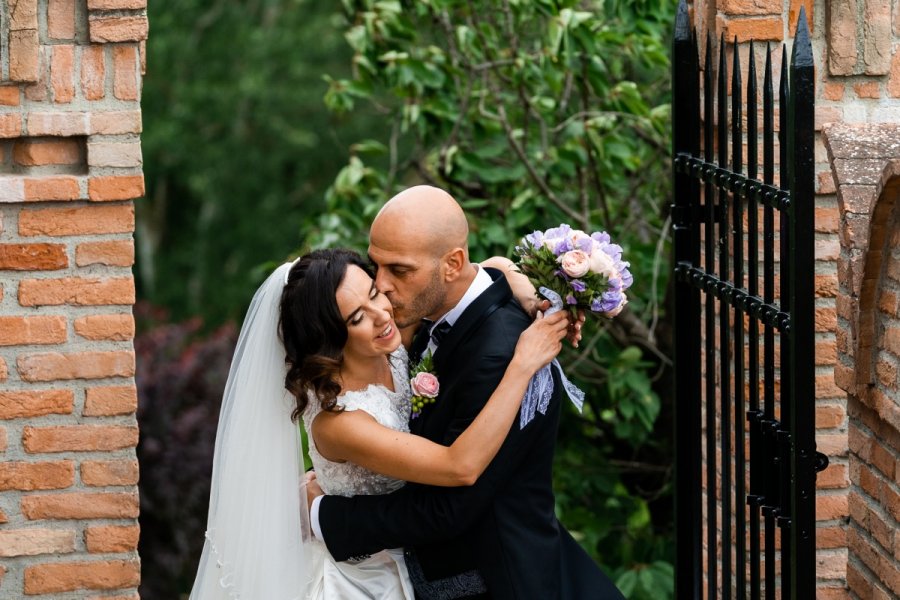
{"x": 540, "y": 388}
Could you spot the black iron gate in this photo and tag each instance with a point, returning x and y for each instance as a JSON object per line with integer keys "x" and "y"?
{"x": 728, "y": 319}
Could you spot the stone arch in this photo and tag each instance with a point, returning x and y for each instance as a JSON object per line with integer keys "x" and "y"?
{"x": 882, "y": 240}
{"x": 865, "y": 162}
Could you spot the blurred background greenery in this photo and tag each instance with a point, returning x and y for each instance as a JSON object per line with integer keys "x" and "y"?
{"x": 275, "y": 126}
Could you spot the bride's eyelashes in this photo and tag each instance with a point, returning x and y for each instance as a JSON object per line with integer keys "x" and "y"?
{"x": 358, "y": 317}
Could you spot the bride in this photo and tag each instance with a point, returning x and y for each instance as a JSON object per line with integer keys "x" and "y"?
{"x": 319, "y": 342}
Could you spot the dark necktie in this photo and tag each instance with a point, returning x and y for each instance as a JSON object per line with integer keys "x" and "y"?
{"x": 438, "y": 333}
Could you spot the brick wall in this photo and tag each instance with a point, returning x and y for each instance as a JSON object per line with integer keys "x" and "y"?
{"x": 70, "y": 166}
{"x": 856, "y": 47}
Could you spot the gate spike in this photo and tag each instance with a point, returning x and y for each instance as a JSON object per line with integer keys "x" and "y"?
{"x": 802, "y": 55}
{"x": 682, "y": 22}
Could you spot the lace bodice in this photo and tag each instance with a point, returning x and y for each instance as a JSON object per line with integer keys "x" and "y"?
{"x": 390, "y": 409}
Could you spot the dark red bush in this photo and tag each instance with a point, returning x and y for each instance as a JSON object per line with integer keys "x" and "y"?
{"x": 181, "y": 374}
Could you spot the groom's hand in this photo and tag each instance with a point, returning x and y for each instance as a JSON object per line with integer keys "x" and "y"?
{"x": 313, "y": 490}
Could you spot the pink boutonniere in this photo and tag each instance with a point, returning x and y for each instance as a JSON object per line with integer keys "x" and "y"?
{"x": 424, "y": 383}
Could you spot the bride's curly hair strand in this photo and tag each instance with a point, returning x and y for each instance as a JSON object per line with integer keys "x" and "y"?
{"x": 311, "y": 327}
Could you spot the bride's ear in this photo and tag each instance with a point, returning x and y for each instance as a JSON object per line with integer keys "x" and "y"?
{"x": 453, "y": 263}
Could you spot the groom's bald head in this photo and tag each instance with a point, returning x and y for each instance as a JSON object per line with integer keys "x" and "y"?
{"x": 418, "y": 242}
{"x": 427, "y": 216}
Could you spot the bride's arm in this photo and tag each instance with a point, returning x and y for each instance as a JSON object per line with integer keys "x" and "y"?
{"x": 356, "y": 437}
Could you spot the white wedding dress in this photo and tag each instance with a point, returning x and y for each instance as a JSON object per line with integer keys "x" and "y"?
{"x": 382, "y": 575}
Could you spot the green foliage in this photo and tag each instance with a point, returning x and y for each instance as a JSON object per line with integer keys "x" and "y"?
{"x": 238, "y": 145}
{"x": 533, "y": 113}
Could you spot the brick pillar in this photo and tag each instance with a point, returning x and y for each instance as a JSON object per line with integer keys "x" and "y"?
{"x": 70, "y": 168}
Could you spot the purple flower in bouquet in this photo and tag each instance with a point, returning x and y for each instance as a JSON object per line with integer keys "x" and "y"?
{"x": 586, "y": 270}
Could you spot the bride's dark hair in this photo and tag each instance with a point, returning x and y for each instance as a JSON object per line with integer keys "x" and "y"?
{"x": 311, "y": 326}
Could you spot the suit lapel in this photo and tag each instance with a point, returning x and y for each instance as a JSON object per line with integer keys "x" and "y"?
{"x": 498, "y": 294}
{"x": 445, "y": 357}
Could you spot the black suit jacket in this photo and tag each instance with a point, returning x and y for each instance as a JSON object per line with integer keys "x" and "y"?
{"x": 504, "y": 526}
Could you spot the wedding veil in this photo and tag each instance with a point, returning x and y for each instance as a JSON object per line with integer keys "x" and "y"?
{"x": 254, "y": 547}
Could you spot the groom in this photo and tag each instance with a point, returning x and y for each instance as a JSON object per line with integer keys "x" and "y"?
{"x": 498, "y": 538}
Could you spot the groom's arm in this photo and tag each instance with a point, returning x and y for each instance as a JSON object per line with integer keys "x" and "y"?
{"x": 420, "y": 514}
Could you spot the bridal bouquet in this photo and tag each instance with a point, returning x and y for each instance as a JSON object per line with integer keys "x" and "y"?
{"x": 586, "y": 271}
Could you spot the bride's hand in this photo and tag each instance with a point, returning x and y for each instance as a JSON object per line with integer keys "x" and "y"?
{"x": 542, "y": 341}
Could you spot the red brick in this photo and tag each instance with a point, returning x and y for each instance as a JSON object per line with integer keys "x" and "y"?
{"x": 17, "y": 404}
{"x": 832, "y": 444}
{"x": 76, "y": 291}
{"x": 57, "y": 124}
{"x": 826, "y": 286}
{"x": 116, "y": 122}
{"x": 33, "y": 257}
{"x": 10, "y": 95}
{"x": 53, "y": 366}
{"x": 116, "y": 187}
{"x": 24, "y": 55}
{"x": 32, "y": 542}
{"x": 827, "y": 388}
{"x": 10, "y": 126}
{"x": 857, "y": 581}
{"x": 877, "y": 37}
{"x": 62, "y": 73}
{"x": 93, "y": 73}
{"x": 118, "y": 29}
{"x": 115, "y": 253}
{"x": 39, "y": 329}
{"x": 886, "y": 372}
{"x": 746, "y": 29}
{"x": 83, "y": 220}
{"x": 52, "y": 188}
{"x": 869, "y": 482}
{"x": 831, "y": 537}
{"x": 4, "y": 372}
{"x": 867, "y": 89}
{"x": 31, "y": 153}
{"x": 887, "y": 302}
{"x": 23, "y": 15}
{"x": 831, "y": 507}
{"x": 830, "y": 416}
{"x": 109, "y": 472}
{"x": 54, "y": 578}
{"x": 110, "y": 400}
{"x": 883, "y": 461}
{"x": 112, "y": 538}
{"x": 751, "y": 7}
{"x": 825, "y": 319}
{"x": 109, "y": 505}
{"x": 28, "y": 477}
{"x": 834, "y": 476}
{"x": 3, "y": 442}
{"x": 893, "y": 86}
{"x": 825, "y": 352}
{"x": 125, "y": 72}
{"x": 78, "y": 438}
{"x": 116, "y": 4}
{"x": 891, "y": 340}
{"x": 61, "y": 19}
{"x": 118, "y": 327}
{"x": 842, "y": 50}
{"x": 827, "y": 220}
{"x": 39, "y": 91}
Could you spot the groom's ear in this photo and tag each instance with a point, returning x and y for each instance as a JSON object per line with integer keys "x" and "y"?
{"x": 454, "y": 261}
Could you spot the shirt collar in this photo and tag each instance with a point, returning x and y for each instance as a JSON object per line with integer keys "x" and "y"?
{"x": 481, "y": 282}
